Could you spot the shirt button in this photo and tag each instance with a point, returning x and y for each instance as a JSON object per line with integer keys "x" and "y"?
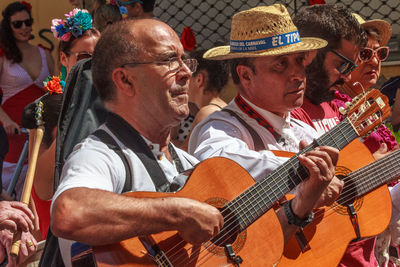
{"x": 159, "y": 157}
{"x": 151, "y": 147}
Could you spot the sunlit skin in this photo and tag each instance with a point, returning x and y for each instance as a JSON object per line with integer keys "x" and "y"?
{"x": 284, "y": 73}
{"x": 367, "y": 72}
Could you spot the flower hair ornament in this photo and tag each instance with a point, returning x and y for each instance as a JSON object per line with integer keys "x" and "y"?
{"x": 28, "y": 5}
{"x": 78, "y": 21}
{"x": 112, "y": 2}
{"x": 54, "y": 85}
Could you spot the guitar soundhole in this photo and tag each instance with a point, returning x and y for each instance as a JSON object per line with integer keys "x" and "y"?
{"x": 229, "y": 234}
{"x": 349, "y": 193}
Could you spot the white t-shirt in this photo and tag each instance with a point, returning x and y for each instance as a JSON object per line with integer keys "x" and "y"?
{"x": 93, "y": 165}
{"x": 223, "y": 135}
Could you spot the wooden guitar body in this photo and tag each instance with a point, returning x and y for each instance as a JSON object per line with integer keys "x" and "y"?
{"x": 261, "y": 244}
{"x": 332, "y": 229}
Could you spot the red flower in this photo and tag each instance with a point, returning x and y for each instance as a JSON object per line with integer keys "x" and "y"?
{"x": 53, "y": 86}
{"x": 28, "y": 5}
{"x": 188, "y": 39}
{"x": 317, "y": 2}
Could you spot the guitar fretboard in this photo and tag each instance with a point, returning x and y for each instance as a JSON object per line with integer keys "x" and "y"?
{"x": 371, "y": 176}
{"x": 259, "y": 198}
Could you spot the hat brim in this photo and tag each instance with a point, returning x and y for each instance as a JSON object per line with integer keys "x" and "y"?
{"x": 306, "y": 44}
{"x": 384, "y": 28}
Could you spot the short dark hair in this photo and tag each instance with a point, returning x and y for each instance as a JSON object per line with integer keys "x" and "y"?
{"x": 148, "y": 5}
{"x": 233, "y": 63}
{"x": 217, "y": 70}
{"x": 116, "y": 46}
{"x": 106, "y": 15}
{"x": 331, "y": 23}
{"x": 7, "y": 39}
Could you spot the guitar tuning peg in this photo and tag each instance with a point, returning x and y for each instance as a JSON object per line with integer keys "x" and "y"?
{"x": 342, "y": 111}
{"x": 348, "y": 104}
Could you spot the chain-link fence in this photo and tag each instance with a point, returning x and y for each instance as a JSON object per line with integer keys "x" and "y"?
{"x": 210, "y": 20}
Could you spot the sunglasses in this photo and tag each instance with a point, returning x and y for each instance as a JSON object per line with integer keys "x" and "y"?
{"x": 347, "y": 66}
{"x": 80, "y": 55}
{"x": 18, "y": 23}
{"x": 381, "y": 53}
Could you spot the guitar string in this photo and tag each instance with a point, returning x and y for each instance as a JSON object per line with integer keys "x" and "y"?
{"x": 233, "y": 217}
{"x": 371, "y": 171}
{"x": 228, "y": 223}
{"x": 256, "y": 202}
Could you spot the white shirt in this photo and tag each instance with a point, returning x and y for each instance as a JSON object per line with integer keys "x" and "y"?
{"x": 93, "y": 165}
{"x": 223, "y": 135}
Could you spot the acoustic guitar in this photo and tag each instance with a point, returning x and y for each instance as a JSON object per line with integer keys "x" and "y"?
{"x": 326, "y": 238}
{"x": 252, "y": 234}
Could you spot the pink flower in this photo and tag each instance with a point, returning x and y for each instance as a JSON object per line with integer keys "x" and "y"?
{"x": 66, "y": 37}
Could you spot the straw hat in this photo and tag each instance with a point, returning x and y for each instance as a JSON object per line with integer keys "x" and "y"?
{"x": 384, "y": 28}
{"x": 263, "y": 31}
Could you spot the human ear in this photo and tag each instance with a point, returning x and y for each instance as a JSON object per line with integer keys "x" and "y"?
{"x": 245, "y": 74}
{"x": 123, "y": 81}
{"x": 63, "y": 59}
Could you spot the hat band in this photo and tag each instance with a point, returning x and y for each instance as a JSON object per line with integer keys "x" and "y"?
{"x": 265, "y": 43}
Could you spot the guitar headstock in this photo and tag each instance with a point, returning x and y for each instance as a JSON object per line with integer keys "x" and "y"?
{"x": 368, "y": 110}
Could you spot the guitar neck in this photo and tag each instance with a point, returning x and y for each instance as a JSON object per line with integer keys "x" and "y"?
{"x": 258, "y": 199}
{"x": 372, "y": 176}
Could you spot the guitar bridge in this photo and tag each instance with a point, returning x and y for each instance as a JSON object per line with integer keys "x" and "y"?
{"x": 302, "y": 241}
{"x": 159, "y": 257}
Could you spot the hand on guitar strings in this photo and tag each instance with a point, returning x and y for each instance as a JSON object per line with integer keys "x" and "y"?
{"x": 197, "y": 222}
{"x": 321, "y": 164}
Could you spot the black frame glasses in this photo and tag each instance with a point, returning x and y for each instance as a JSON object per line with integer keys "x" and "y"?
{"x": 381, "y": 53}
{"x": 174, "y": 64}
{"x": 18, "y": 23}
{"x": 347, "y": 66}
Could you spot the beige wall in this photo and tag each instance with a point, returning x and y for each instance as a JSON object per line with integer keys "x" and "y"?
{"x": 43, "y": 11}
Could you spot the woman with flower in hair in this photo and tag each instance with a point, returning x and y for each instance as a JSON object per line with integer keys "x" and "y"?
{"x": 23, "y": 67}
{"x": 77, "y": 38}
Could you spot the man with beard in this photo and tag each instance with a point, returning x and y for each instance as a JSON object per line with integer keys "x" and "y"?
{"x": 327, "y": 72}
{"x": 332, "y": 64}
{"x": 267, "y": 60}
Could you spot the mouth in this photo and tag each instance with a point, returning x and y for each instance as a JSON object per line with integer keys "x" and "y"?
{"x": 179, "y": 93}
{"x": 372, "y": 73}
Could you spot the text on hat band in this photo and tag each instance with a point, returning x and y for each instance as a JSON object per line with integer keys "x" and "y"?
{"x": 265, "y": 43}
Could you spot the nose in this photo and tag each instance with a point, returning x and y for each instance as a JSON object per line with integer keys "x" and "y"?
{"x": 183, "y": 74}
{"x": 298, "y": 72}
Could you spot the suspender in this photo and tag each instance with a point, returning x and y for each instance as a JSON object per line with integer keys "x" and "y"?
{"x": 134, "y": 141}
{"x": 258, "y": 143}
{"x": 112, "y": 144}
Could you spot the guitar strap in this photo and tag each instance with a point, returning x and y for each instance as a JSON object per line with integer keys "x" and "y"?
{"x": 105, "y": 138}
{"x": 257, "y": 141}
{"x": 134, "y": 141}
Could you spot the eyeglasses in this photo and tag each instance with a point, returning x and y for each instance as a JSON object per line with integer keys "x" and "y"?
{"x": 120, "y": 3}
{"x": 80, "y": 55}
{"x": 381, "y": 53}
{"x": 18, "y": 23}
{"x": 174, "y": 64}
{"x": 347, "y": 66}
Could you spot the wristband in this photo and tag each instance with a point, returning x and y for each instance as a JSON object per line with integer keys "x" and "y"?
{"x": 293, "y": 219}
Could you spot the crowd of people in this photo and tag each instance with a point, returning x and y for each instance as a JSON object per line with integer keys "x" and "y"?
{"x": 295, "y": 77}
